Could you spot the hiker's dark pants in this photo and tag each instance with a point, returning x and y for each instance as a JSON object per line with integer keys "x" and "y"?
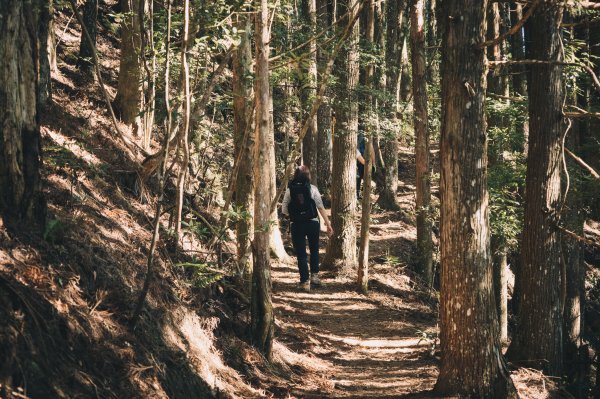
{"x": 360, "y": 172}
{"x": 300, "y": 231}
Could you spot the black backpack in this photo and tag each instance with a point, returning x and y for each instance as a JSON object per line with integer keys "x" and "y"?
{"x": 302, "y": 206}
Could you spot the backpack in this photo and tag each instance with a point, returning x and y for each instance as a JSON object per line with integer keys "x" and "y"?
{"x": 302, "y": 206}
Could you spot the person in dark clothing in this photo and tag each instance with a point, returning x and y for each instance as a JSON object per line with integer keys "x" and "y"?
{"x": 303, "y": 228}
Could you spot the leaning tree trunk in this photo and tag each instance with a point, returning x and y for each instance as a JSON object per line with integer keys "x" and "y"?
{"x": 471, "y": 362}
{"x": 129, "y": 99}
{"x": 423, "y": 174}
{"x": 262, "y": 320}
{"x": 341, "y": 250}
{"x": 538, "y": 338}
{"x": 309, "y": 91}
{"x": 244, "y": 149}
{"x": 20, "y": 148}
{"x": 86, "y": 51}
{"x": 324, "y": 148}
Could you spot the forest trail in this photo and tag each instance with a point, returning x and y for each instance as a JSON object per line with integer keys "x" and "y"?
{"x": 367, "y": 346}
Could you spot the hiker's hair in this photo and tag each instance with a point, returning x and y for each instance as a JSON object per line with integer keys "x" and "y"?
{"x": 302, "y": 174}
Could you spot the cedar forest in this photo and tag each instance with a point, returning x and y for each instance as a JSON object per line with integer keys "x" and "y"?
{"x": 146, "y": 146}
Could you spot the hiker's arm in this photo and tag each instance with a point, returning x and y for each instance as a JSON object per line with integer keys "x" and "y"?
{"x": 359, "y": 157}
{"x": 286, "y": 202}
{"x": 326, "y": 220}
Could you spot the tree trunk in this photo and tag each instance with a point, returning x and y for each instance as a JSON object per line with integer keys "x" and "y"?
{"x": 365, "y": 223}
{"x": 538, "y": 339}
{"x": 128, "y": 101}
{"x": 86, "y": 60}
{"x": 341, "y": 250}
{"x": 262, "y": 319}
{"x": 433, "y": 70}
{"x": 244, "y": 150}
{"x": 389, "y": 138}
{"x": 47, "y": 53}
{"x": 471, "y": 362}
{"x": 423, "y": 174}
{"x": 309, "y": 92}
{"x": 519, "y": 78}
{"x": 20, "y": 148}
{"x": 500, "y": 266}
{"x": 324, "y": 145}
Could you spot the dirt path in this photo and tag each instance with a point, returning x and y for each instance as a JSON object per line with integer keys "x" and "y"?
{"x": 366, "y": 346}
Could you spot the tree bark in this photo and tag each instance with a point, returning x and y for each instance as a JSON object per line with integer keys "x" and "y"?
{"x": 324, "y": 145}
{"x": 244, "y": 145}
{"x": 86, "y": 59}
{"x": 423, "y": 174}
{"x": 341, "y": 249}
{"x": 365, "y": 222}
{"x": 538, "y": 338}
{"x": 21, "y": 196}
{"x": 47, "y": 53}
{"x": 262, "y": 319}
{"x": 389, "y": 138}
{"x": 309, "y": 92}
{"x": 128, "y": 101}
{"x": 471, "y": 362}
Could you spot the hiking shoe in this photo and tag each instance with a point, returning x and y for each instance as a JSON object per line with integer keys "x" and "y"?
{"x": 315, "y": 280}
{"x": 305, "y": 286}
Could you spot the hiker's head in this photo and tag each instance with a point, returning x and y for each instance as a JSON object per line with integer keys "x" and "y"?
{"x": 302, "y": 174}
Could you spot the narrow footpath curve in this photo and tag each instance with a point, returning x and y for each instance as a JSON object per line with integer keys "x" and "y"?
{"x": 366, "y": 346}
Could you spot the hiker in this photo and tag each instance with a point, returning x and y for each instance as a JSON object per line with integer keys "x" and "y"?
{"x": 302, "y": 202}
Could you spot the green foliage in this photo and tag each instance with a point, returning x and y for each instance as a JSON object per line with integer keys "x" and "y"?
{"x": 56, "y": 231}
{"x": 202, "y": 274}
{"x": 506, "y": 169}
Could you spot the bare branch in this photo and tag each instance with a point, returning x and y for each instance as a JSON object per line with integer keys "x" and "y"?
{"x": 582, "y": 163}
{"x": 512, "y": 30}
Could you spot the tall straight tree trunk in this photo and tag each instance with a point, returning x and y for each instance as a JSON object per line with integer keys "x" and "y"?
{"x": 262, "y": 319}
{"x": 539, "y": 336}
{"x": 389, "y": 138}
{"x": 20, "y": 148}
{"x": 574, "y": 268}
{"x": 244, "y": 149}
{"x": 310, "y": 141}
{"x": 423, "y": 174}
{"x": 365, "y": 222}
{"x": 471, "y": 362}
{"x": 129, "y": 99}
{"x": 341, "y": 250}
{"x": 497, "y": 84}
{"x": 86, "y": 60}
{"x": 433, "y": 70}
{"x": 324, "y": 145}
